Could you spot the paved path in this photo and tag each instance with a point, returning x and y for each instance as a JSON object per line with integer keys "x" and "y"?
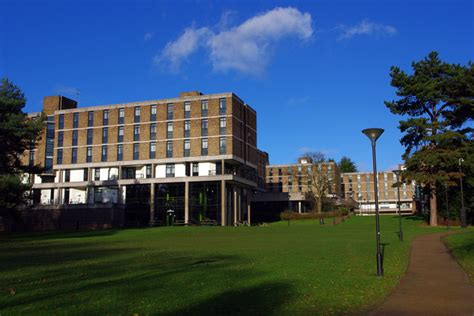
{"x": 434, "y": 284}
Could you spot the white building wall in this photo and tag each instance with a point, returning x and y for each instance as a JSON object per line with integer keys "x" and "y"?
{"x": 37, "y": 179}
{"x": 114, "y": 173}
{"x": 140, "y": 173}
{"x": 77, "y": 175}
{"x": 104, "y": 174}
{"x": 180, "y": 170}
{"x": 160, "y": 171}
{"x": 207, "y": 168}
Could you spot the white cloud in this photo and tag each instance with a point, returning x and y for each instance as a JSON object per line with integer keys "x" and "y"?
{"x": 148, "y": 36}
{"x": 366, "y": 27}
{"x": 178, "y": 51}
{"x": 244, "y": 48}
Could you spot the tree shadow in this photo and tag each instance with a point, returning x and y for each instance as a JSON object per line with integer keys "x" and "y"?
{"x": 263, "y": 299}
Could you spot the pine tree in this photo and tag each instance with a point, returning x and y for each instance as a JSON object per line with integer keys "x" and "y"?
{"x": 436, "y": 101}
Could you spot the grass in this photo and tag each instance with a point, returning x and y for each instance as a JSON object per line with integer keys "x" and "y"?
{"x": 462, "y": 247}
{"x": 278, "y": 269}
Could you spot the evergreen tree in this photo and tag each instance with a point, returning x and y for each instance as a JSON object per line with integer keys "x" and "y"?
{"x": 17, "y": 133}
{"x": 436, "y": 101}
{"x": 347, "y": 165}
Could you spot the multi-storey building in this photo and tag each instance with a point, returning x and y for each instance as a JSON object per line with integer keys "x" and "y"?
{"x": 287, "y": 185}
{"x": 360, "y": 187}
{"x": 195, "y": 155}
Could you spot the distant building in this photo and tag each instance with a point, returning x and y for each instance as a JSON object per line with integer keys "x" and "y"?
{"x": 360, "y": 187}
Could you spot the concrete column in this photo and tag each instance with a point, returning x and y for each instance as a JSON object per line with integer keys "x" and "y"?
{"x": 249, "y": 217}
{"x": 60, "y": 191}
{"x": 153, "y": 170}
{"x": 235, "y": 205}
{"x": 223, "y": 203}
{"x": 152, "y": 204}
{"x": 120, "y": 172}
{"x": 299, "y": 207}
{"x": 186, "y": 203}
{"x": 239, "y": 205}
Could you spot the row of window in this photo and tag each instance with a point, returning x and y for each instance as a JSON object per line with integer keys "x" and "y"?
{"x": 136, "y": 151}
{"x": 137, "y": 131}
{"x": 137, "y": 113}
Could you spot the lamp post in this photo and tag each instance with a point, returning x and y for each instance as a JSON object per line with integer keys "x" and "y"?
{"x": 400, "y": 231}
{"x": 447, "y": 206}
{"x": 463, "y": 210}
{"x": 373, "y": 134}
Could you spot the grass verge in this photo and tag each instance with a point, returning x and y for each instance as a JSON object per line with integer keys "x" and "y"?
{"x": 462, "y": 247}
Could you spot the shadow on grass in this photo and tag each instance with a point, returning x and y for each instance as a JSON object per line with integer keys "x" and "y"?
{"x": 263, "y": 299}
{"x": 58, "y": 235}
{"x": 109, "y": 278}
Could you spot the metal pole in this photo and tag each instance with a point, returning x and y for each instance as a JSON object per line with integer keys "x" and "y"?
{"x": 447, "y": 206}
{"x": 463, "y": 210}
{"x": 377, "y": 220}
{"x": 400, "y": 232}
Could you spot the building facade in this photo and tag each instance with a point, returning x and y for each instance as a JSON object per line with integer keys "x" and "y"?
{"x": 287, "y": 184}
{"x": 360, "y": 187}
{"x": 195, "y": 156}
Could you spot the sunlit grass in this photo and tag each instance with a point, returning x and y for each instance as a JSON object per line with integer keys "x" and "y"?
{"x": 274, "y": 269}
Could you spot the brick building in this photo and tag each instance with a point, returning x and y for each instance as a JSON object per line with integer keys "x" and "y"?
{"x": 195, "y": 155}
{"x": 360, "y": 187}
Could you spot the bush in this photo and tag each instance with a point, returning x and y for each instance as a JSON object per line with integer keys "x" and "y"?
{"x": 312, "y": 215}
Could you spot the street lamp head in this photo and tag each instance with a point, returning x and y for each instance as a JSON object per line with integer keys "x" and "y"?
{"x": 461, "y": 161}
{"x": 373, "y": 133}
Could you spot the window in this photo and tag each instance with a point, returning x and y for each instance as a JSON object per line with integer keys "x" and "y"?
{"x": 222, "y": 125}
{"x": 169, "y": 170}
{"x": 187, "y": 109}
{"x": 153, "y": 131}
{"x": 204, "y": 146}
{"x": 204, "y": 126}
{"x": 85, "y": 172}
{"x": 187, "y": 148}
{"x": 67, "y": 175}
{"x": 169, "y": 149}
{"x": 60, "y": 139}
{"x": 169, "y": 111}
{"x": 90, "y": 136}
{"x": 90, "y": 118}
{"x": 136, "y": 133}
{"x": 74, "y": 137}
{"x": 74, "y": 155}
{"x": 153, "y": 113}
{"x": 59, "y": 157}
{"x": 105, "y": 135}
{"x": 61, "y": 121}
{"x": 31, "y": 157}
{"x": 136, "y": 151}
{"x": 222, "y": 106}
{"x": 169, "y": 130}
{"x": 187, "y": 128}
{"x": 89, "y": 154}
{"x": 104, "y": 153}
{"x": 121, "y": 116}
{"x": 152, "y": 150}
{"x": 75, "y": 120}
{"x": 222, "y": 145}
{"x": 136, "y": 118}
{"x": 120, "y": 152}
{"x": 105, "y": 117}
{"x": 148, "y": 171}
{"x": 204, "y": 107}
{"x": 120, "y": 134}
{"x": 96, "y": 174}
{"x": 195, "y": 169}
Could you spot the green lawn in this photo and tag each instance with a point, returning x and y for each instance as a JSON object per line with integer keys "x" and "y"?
{"x": 301, "y": 269}
{"x": 462, "y": 247}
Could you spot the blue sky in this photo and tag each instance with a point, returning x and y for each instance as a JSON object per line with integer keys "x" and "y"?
{"x": 317, "y": 72}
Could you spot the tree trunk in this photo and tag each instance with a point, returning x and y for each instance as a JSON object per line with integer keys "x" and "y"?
{"x": 433, "y": 206}
{"x": 319, "y": 205}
